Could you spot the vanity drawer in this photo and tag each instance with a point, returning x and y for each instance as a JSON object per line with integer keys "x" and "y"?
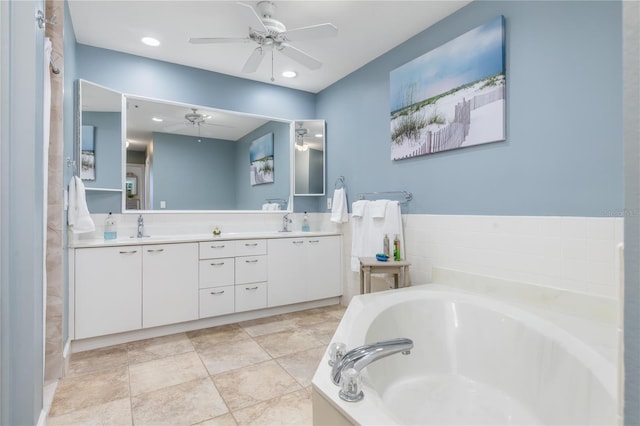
{"x": 217, "y": 272}
{"x": 216, "y": 249}
{"x": 251, "y": 247}
{"x": 251, "y": 269}
{"x": 251, "y": 296}
{"x": 217, "y": 301}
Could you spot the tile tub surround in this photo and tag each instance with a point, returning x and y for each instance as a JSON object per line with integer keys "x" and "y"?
{"x": 187, "y": 378}
{"x": 571, "y": 253}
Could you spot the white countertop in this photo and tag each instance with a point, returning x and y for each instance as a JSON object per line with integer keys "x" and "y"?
{"x": 126, "y": 240}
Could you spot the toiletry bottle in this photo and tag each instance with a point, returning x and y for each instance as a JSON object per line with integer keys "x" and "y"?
{"x": 396, "y": 248}
{"x": 110, "y": 228}
{"x": 305, "y": 223}
{"x": 385, "y": 245}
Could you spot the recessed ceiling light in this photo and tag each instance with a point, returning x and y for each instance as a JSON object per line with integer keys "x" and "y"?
{"x": 150, "y": 41}
{"x": 156, "y": 119}
{"x": 289, "y": 74}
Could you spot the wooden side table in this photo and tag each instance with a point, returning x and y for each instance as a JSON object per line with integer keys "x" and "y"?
{"x": 371, "y": 265}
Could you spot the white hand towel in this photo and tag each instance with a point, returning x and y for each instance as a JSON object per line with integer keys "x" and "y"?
{"x": 378, "y": 208}
{"x": 358, "y": 208}
{"x": 339, "y": 208}
{"x": 78, "y": 215}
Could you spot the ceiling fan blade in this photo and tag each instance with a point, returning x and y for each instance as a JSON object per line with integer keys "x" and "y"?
{"x": 217, "y": 125}
{"x": 299, "y": 56}
{"x": 254, "y": 60}
{"x": 254, "y": 14}
{"x": 211, "y": 40}
{"x": 314, "y": 31}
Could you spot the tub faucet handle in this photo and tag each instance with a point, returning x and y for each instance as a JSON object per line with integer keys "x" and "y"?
{"x": 336, "y": 351}
{"x": 351, "y": 385}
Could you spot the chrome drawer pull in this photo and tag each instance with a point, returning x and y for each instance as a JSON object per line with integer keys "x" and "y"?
{"x": 251, "y": 261}
{"x": 217, "y": 292}
{"x": 129, "y": 252}
{"x": 251, "y": 288}
{"x": 217, "y": 264}
{"x": 314, "y": 241}
{"x": 250, "y": 244}
{"x": 222, "y": 246}
{"x": 297, "y": 242}
{"x": 155, "y": 250}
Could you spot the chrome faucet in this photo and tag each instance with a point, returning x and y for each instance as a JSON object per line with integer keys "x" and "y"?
{"x": 362, "y": 356}
{"x": 140, "y": 226}
{"x": 285, "y": 223}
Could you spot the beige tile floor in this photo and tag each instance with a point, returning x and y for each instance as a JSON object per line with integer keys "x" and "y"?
{"x": 254, "y": 372}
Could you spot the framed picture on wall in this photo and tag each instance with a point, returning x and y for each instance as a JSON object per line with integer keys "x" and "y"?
{"x": 452, "y": 96}
{"x": 261, "y": 160}
{"x": 88, "y": 154}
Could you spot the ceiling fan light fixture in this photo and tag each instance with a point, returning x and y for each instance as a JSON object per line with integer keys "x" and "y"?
{"x": 302, "y": 146}
{"x": 289, "y": 74}
{"x": 150, "y": 41}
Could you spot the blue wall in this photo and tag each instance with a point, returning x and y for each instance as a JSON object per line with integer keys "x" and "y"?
{"x": 192, "y": 175}
{"x": 135, "y": 75}
{"x": 563, "y": 152}
{"x": 108, "y": 148}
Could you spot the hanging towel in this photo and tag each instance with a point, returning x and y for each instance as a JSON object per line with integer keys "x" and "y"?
{"x": 367, "y": 232}
{"x": 271, "y": 206}
{"x": 378, "y": 208}
{"x": 358, "y": 208}
{"x": 78, "y": 214}
{"x": 339, "y": 212}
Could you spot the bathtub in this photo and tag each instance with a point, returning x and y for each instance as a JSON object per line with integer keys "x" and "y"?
{"x": 475, "y": 361}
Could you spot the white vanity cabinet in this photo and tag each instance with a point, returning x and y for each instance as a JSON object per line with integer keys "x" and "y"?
{"x": 169, "y": 284}
{"x": 216, "y": 278}
{"x": 251, "y": 275}
{"x": 303, "y": 269}
{"x": 108, "y": 290}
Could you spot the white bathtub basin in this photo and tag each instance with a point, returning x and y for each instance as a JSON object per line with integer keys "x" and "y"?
{"x": 475, "y": 361}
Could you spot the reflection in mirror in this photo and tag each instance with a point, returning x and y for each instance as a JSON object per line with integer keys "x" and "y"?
{"x": 186, "y": 157}
{"x": 309, "y": 151}
{"x": 100, "y": 144}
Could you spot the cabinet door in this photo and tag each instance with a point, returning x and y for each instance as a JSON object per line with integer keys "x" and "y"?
{"x": 287, "y": 274}
{"x": 169, "y": 284}
{"x": 323, "y": 256}
{"x": 108, "y": 290}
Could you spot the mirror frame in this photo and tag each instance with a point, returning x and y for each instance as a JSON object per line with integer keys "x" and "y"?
{"x": 122, "y": 189}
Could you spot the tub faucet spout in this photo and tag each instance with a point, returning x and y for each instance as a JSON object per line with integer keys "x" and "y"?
{"x": 362, "y": 356}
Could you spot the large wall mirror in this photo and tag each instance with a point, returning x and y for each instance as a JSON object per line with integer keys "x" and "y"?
{"x": 309, "y": 158}
{"x": 179, "y": 157}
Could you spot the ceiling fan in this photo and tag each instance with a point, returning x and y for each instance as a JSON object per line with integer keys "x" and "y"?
{"x": 270, "y": 35}
{"x": 301, "y": 132}
{"x": 193, "y": 119}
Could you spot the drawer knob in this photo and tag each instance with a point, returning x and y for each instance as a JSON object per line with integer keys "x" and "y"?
{"x": 217, "y": 264}
{"x": 217, "y": 292}
{"x": 251, "y": 261}
{"x": 155, "y": 250}
{"x": 250, "y": 244}
{"x": 297, "y": 242}
{"x": 129, "y": 252}
{"x": 216, "y": 247}
{"x": 251, "y": 288}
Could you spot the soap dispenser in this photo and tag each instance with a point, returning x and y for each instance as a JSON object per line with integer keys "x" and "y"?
{"x": 110, "y": 228}
{"x": 305, "y": 223}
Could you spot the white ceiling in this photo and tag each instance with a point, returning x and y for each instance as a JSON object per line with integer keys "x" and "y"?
{"x": 366, "y": 30}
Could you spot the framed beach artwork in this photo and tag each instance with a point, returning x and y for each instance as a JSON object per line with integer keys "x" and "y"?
{"x": 452, "y": 96}
{"x": 88, "y": 154}
{"x": 261, "y": 160}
